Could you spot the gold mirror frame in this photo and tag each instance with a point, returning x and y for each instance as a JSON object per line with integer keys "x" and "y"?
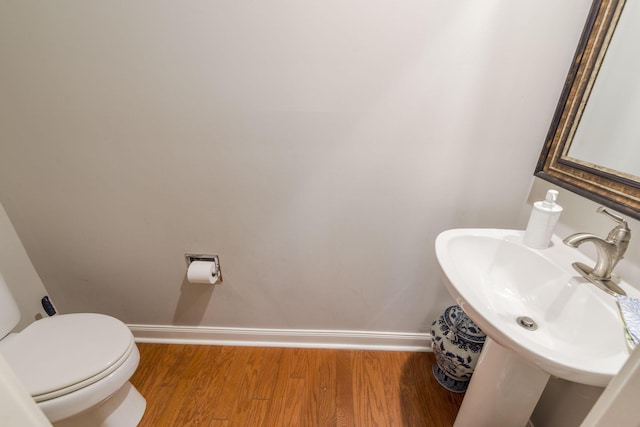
{"x": 608, "y": 187}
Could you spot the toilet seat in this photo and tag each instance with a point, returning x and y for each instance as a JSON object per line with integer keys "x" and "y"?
{"x": 82, "y": 384}
{"x": 58, "y": 355}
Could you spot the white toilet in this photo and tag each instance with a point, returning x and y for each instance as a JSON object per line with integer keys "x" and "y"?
{"x": 76, "y": 366}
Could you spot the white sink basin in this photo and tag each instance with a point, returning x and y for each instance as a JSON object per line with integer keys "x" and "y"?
{"x": 495, "y": 279}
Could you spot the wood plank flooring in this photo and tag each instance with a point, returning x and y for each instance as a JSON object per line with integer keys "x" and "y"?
{"x": 215, "y": 386}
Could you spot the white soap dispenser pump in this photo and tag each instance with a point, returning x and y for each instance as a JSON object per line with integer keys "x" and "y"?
{"x": 543, "y": 219}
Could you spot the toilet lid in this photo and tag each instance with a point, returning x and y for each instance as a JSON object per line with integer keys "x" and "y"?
{"x": 66, "y": 350}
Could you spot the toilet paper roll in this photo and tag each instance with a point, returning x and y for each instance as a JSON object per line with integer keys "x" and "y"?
{"x": 202, "y": 272}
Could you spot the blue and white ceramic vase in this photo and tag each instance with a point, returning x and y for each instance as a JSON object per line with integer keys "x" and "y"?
{"x": 457, "y": 342}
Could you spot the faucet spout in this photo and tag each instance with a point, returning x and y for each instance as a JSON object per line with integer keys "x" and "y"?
{"x": 608, "y": 254}
{"x": 577, "y": 239}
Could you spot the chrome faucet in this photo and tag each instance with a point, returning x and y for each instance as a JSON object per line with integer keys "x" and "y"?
{"x": 609, "y": 250}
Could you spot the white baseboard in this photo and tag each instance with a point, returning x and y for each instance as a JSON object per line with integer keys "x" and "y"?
{"x": 301, "y": 338}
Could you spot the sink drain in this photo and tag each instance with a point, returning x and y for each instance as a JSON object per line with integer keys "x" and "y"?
{"x": 527, "y": 323}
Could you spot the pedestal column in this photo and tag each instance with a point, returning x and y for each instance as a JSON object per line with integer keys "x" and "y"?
{"x": 503, "y": 391}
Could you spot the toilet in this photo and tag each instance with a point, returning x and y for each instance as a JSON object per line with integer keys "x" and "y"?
{"x": 76, "y": 366}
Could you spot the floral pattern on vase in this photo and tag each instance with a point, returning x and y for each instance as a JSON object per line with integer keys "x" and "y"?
{"x": 456, "y": 343}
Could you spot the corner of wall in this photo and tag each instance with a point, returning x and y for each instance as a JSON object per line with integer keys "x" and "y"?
{"x": 19, "y": 273}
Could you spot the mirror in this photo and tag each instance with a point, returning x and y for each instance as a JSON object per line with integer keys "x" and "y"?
{"x": 593, "y": 148}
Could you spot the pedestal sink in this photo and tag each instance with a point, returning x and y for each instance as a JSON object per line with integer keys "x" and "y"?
{"x": 540, "y": 316}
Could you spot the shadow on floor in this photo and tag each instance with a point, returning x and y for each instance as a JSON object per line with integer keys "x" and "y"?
{"x": 424, "y": 401}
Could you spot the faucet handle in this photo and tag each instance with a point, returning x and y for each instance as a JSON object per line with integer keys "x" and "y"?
{"x": 621, "y": 232}
{"x": 620, "y": 220}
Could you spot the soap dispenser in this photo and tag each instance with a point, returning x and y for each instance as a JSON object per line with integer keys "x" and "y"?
{"x": 543, "y": 219}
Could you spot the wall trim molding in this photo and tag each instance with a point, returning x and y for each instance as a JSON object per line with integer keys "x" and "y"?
{"x": 300, "y": 338}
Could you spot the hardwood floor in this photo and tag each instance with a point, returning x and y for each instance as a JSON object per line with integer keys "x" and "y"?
{"x": 188, "y": 385}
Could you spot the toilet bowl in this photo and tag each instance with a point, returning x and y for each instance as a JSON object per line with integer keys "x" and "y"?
{"x": 76, "y": 366}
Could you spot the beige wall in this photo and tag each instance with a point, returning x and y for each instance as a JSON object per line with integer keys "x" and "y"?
{"x": 317, "y": 147}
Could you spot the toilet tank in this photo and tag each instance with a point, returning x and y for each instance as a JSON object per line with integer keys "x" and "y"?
{"x": 9, "y": 312}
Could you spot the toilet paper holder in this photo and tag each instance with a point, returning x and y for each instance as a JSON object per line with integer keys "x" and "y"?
{"x": 205, "y": 257}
